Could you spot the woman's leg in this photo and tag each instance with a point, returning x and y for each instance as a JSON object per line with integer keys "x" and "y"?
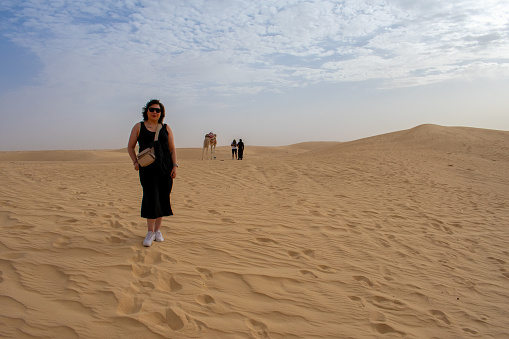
{"x": 158, "y": 236}
{"x": 154, "y": 225}
{"x": 158, "y": 223}
{"x": 151, "y": 236}
{"x": 151, "y": 223}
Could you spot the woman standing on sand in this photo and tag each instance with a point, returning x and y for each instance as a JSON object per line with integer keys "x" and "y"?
{"x": 157, "y": 178}
{"x": 234, "y": 149}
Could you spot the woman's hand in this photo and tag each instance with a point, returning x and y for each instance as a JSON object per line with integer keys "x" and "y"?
{"x": 136, "y": 166}
{"x": 174, "y": 172}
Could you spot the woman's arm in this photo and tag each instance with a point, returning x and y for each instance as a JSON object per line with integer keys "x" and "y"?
{"x": 131, "y": 145}
{"x": 173, "y": 151}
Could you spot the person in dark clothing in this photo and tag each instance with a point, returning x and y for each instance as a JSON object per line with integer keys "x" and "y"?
{"x": 157, "y": 178}
{"x": 240, "y": 147}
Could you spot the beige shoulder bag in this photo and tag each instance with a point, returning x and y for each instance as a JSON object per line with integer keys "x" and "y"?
{"x": 148, "y": 155}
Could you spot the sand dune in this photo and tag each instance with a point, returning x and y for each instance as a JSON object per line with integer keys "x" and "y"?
{"x": 402, "y": 235}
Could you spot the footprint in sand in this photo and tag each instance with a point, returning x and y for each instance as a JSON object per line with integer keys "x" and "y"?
{"x": 205, "y": 299}
{"x": 468, "y": 330}
{"x": 205, "y": 273}
{"x": 258, "y": 329}
{"x": 89, "y": 214}
{"x": 61, "y": 220}
{"x": 62, "y": 242}
{"x": 129, "y": 303}
{"x": 440, "y": 316}
{"x": 115, "y": 224}
{"x": 386, "y": 304}
{"x": 308, "y": 273}
{"x": 151, "y": 257}
{"x": 141, "y": 271}
{"x": 111, "y": 216}
{"x": 294, "y": 255}
{"x": 326, "y": 269}
{"x": 355, "y": 298}
{"x": 147, "y": 284}
{"x": 115, "y": 240}
{"x": 385, "y": 329}
{"x": 1, "y": 277}
{"x": 386, "y": 273}
{"x": 363, "y": 280}
{"x": 266, "y": 241}
{"x": 119, "y": 234}
{"x": 173, "y": 320}
{"x": 377, "y": 317}
{"x": 166, "y": 282}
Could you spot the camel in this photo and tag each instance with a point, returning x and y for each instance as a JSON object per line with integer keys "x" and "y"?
{"x": 210, "y": 140}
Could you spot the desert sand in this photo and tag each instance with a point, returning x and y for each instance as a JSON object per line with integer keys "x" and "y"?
{"x": 401, "y": 235}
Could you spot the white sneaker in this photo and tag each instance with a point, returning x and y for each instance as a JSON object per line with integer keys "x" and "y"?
{"x": 148, "y": 239}
{"x": 159, "y": 236}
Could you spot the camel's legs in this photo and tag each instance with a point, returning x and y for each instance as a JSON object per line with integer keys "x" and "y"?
{"x": 206, "y": 144}
{"x": 206, "y": 151}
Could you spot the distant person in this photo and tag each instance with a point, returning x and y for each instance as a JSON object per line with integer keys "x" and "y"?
{"x": 234, "y": 149}
{"x": 157, "y": 178}
{"x": 240, "y": 147}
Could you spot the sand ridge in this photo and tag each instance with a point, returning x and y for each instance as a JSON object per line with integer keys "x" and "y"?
{"x": 402, "y": 235}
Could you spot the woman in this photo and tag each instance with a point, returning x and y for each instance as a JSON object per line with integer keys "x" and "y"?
{"x": 234, "y": 149}
{"x": 157, "y": 178}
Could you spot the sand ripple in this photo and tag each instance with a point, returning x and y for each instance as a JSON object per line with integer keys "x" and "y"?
{"x": 402, "y": 235}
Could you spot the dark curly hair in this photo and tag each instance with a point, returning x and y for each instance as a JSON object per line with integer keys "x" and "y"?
{"x": 150, "y": 103}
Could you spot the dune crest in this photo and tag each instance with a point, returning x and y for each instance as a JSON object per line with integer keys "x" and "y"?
{"x": 440, "y": 138}
{"x": 401, "y": 235}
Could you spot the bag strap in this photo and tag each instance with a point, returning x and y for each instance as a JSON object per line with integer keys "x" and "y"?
{"x": 159, "y": 126}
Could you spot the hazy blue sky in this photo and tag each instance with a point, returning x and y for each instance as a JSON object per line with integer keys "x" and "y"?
{"x": 75, "y": 74}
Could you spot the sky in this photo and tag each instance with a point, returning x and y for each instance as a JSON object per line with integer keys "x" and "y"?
{"x": 76, "y": 74}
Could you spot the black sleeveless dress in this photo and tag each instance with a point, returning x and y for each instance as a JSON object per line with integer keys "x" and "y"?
{"x": 156, "y": 184}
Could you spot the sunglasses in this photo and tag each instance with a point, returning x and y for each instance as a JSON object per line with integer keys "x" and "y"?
{"x": 152, "y": 110}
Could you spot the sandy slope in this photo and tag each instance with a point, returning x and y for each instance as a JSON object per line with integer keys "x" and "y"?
{"x": 402, "y": 235}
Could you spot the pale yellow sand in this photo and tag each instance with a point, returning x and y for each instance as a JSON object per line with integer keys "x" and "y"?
{"x": 403, "y": 235}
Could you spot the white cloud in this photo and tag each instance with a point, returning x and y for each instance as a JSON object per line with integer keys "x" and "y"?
{"x": 195, "y": 52}
{"x": 239, "y": 42}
